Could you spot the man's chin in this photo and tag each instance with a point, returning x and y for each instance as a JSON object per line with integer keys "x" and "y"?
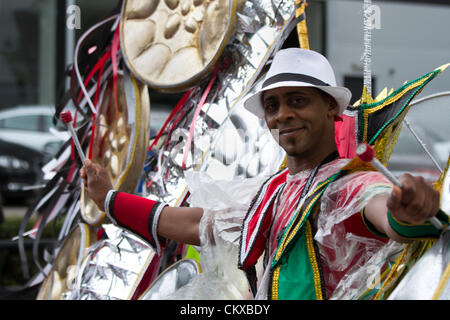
{"x": 293, "y": 152}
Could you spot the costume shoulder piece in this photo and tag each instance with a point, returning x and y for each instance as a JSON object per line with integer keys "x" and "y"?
{"x": 258, "y": 220}
{"x": 378, "y": 121}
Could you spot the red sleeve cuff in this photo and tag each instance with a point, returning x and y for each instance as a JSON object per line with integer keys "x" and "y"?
{"x": 138, "y": 215}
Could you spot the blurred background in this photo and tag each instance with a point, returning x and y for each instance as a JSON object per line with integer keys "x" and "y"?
{"x": 36, "y": 47}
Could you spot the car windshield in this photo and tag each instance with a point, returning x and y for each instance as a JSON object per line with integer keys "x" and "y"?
{"x": 47, "y": 123}
{"x": 28, "y": 122}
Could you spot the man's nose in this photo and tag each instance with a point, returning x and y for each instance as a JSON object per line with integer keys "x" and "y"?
{"x": 284, "y": 113}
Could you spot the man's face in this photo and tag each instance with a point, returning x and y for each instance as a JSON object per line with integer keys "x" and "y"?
{"x": 303, "y": 117}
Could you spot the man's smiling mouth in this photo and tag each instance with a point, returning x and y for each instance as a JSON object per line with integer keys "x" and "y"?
{"x": 290, "y": 131}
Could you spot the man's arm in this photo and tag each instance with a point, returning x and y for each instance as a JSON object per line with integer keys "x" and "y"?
{"x": 176, "y": 223}
{"x": 415, "y": 203}
{"x": 180, "y": 224}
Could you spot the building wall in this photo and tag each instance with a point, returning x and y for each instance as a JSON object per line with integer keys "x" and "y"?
{"x": 412, "y": 40}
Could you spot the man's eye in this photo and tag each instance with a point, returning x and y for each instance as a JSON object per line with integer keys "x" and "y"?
{"x": 298, "y": 100}
{"x": 270, "y": 106}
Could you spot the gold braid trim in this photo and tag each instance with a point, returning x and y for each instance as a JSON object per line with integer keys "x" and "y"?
{"x": 442, "y": 283}
{"x": 313, "y": 261}
{"x": 294, "y": 228}
{"x": 393, "y": 271}
{"x": 275, "y": 280}
{"x": 411, "y": 253}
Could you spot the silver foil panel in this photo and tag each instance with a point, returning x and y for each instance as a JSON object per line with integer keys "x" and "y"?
{"x": 228, "y": 141}
{"x": 113, "y": 267}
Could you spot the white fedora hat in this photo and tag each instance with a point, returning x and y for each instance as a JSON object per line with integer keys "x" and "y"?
{"x": 295, "y": 67}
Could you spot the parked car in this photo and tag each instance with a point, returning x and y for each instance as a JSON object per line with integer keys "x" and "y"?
{"x": 32, "y": 127}
{"x": 429, "y": 118}
{"x": 20, "y": 170}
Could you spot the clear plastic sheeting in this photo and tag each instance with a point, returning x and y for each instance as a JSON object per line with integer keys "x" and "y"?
{"x": 113, "y": 267}
{"x": 225, "y": 204}
{"x": 426, "y": 280}
{"x": 351, "y": 262}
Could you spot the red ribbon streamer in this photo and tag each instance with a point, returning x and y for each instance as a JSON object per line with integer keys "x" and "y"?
{"x": 197, "y": 112}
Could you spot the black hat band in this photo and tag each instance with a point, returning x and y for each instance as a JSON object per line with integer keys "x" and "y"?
{"x": 282, "y": 77}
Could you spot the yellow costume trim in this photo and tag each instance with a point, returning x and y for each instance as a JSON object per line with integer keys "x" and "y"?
{"x": 276, "y": 277}
{"x": 442, "y": 283}
{"x": 375, "y": 284}
{"x": 288, "y": 239}
{"x": 312, "y": 259}
{"x": 356, "y": 165}
{"x": 410, "y": 253}
{"x": 440, "y": 182}
{"x": 395, "y": 267}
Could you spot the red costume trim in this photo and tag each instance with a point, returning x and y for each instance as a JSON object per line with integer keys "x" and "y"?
{"x": 258, "y": 220}
{"x": 137, "y": 214}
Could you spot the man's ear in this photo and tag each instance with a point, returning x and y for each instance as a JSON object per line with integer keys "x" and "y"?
{"x": 333, "y": 108}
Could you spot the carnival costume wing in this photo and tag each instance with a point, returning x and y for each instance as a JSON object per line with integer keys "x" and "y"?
{"x": 423, "y": 262}
{"x": 378, "y": 121}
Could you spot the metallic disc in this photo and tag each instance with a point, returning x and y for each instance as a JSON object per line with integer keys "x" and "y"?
{"x": 171, "y": 44}
{"x": 60, "y": 280}
{"x": 121, "y": 139}
{"x": 172, "y": 279}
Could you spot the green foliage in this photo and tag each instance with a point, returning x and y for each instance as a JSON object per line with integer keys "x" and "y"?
{"x": 10, "y": 265}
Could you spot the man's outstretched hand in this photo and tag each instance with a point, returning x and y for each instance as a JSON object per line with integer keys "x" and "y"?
{"x": 416, "y": 202}
{"x": 97, "y": 182}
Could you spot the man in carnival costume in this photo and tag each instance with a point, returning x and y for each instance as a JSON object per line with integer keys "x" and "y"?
{"x": 313, "y": 223}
